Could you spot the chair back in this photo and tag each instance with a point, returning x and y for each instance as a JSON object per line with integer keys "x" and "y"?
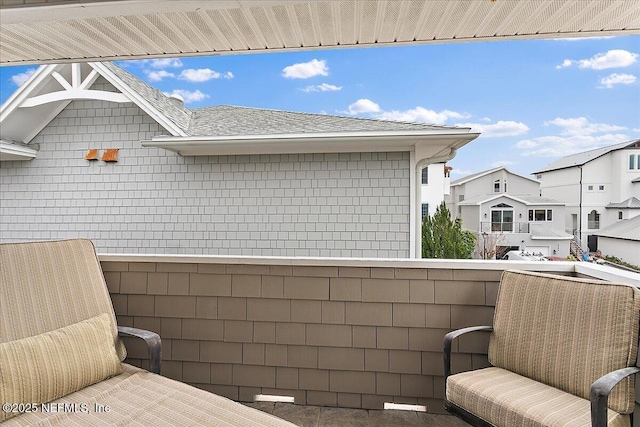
{"x": 566, "y": 332}
{"x": 48, "y": 285}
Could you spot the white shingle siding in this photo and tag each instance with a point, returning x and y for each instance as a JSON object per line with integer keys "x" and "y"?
{"x": 154, "y": 201}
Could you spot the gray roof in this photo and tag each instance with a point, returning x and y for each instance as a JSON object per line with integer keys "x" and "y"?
{"x": 580, "y": 159}
{"x": 175, "y": 112}
{"x": 487, "y": 172}
{"x": 542, "y": 232}
{"x": 628, "y": 229}
{"x": 630, "y": 203}
{"x": 226, "y": 120}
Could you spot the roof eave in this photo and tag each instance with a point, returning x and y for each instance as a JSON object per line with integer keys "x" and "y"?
{"x": 13, "y": 152}
{"x": 338, "y": 142}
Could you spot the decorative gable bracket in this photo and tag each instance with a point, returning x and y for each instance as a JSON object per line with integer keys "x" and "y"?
{"x": 76, "y": 89}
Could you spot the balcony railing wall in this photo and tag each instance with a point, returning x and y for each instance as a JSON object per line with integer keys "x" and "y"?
{"x": 504, "y": 227}
{"x": 335, "y": 332}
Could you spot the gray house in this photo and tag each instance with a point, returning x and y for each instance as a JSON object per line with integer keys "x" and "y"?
{"x": 89, "y": 150}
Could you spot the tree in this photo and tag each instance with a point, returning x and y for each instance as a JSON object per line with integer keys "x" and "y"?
{"x": 443, "y": 237}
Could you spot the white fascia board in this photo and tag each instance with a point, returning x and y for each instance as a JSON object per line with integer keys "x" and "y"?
{"x": 137, "y": 99}
{"x": 11, "y": 152}
{"x": 337, "y": 142}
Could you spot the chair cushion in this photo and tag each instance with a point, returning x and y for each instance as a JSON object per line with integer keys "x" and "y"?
{"x": 140, "y": 398}
{"x": 48, "y": 366}
{"x": 566, "y": 332}
{"x": 506, "y": 399}
{"x": 65, "y": 285}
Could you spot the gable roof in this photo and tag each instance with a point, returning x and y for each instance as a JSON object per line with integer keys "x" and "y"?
{"x": 630, "y": 203}
{"x": 627, "y": 229}
{"x": 215, "y": 130}
{"x": 580, "y": 159}
{"x": 477, "y": 175}
{"x": 228, "y": 120}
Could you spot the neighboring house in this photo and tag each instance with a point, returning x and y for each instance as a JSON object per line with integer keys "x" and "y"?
{"x": 505, "y": 211}
{"x": 600, "y": 187}
{"x": 216, "y": 180}
{"x": 435, "y": 187}
{"x": 493, "y": 181}
{"x": 621, "y": 240}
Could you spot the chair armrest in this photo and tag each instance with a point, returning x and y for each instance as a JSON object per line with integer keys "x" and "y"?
{"x": 154, "y": 345}
{"x": 448, "y": 339}
{"x": 599, "y": 394}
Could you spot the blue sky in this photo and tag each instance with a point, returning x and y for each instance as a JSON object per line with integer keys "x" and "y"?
{"x": 533, "y": 101}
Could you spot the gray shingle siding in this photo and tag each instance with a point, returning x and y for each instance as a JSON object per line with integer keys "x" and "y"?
{"x": 154, "y": 201}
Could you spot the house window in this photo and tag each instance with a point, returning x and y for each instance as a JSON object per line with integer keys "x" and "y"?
{"x": 620, "y": 215}
{"x": 425, "y": 175}
{"x": 461, "y": 198}
{"x": 540, "y": 215}
{"x": 505, "y": 185}
{"x": 600, "y": 187}
{"x": 496, "y": 186}
{"x": 425, "y": 210}
{"x": 593, "y": 222}
{"x": 638, "y": 163}
{"x": 589, "y": 187}
{"x": 502, "y": 218}
{"x": 632, "y": 161}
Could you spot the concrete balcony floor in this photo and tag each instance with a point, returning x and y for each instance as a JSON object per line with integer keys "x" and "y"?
{"x": 317, "y": 416}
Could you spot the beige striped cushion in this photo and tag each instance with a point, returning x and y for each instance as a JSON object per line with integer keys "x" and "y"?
{"x": 507, "y": 399}
{"x": 47, "y": 285}
{"x": 54, "y": 364}
{"x": 139, "y": 398}
{"x": 566, "y": 332}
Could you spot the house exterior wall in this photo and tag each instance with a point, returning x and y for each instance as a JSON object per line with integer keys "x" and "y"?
{"x": 611, "y": 171}
{"x": 155, "y": 201}
{"x": 626, "y": 250}
{"x": 434, "y": 191}
{"x": 485, "y": 185}
{"x": 522, "y": 227}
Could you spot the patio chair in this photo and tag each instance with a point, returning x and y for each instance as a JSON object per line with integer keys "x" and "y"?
{"x": 562, "y": 352}
{"x": 61, "y": 357}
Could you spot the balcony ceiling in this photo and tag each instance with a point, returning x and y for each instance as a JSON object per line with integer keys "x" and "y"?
{"x": 53, "y": 31}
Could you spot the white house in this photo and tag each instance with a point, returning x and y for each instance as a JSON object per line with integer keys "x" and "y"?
{"x": 435, "y": 187}
{"x": 621, "y": 239}
{"x": 216, "y": 180}
{"x": 600, "y": 187}
{"x": 505, "y": 211}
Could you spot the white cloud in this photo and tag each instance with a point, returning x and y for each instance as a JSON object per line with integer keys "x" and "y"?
{"x": 422, "y": 115}
{"x": 581, "y": 126}
{"x": 305, "y": 70}
{"x": 616, "y": 58}
{"x": 559, "y": 146}
{"x": 364, "y": 106}
{"x": 202, "y": 75}
{"x": 20, "y": 78}
{"x": 188, "y": 96}
{"x": 617, "y": 79}
{"x": 156, "y": 76}
{"x": 163, "y": 63}
{"x": 501, "y": 163}
{"x": 577, "y": 134}
{"x": 636, "y": 129}
{"x": 324, "y": 87}
{"x": 500, "y": 128}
